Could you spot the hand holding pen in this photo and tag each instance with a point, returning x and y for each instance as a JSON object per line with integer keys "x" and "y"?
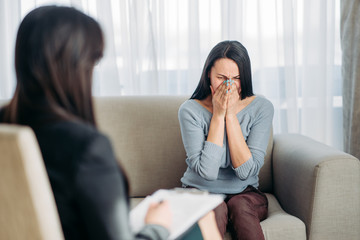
{"x": 159, "y": 213}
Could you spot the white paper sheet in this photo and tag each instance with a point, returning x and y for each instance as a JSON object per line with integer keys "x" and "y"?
{"x": 187, "y": 206}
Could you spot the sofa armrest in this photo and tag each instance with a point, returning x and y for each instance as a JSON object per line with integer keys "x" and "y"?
{"x": 318, "y": 184}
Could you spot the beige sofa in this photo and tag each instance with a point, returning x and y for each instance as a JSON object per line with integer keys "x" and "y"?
{"x": 313, "y": 189}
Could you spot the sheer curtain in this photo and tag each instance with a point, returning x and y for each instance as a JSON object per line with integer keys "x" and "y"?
{"x": 159, "y": 47}
{"x": 9, "y": 20}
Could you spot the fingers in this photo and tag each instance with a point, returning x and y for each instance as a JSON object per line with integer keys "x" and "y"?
{"x": 159, "y": 213}
{"x": 220, "y": 92}
{"x": 153, "y": 205}
{"x": 219, "y": 89}
{"x": 163, "y": 203}
{"x": 220, "y": 98}
{"x": 228, "y": 85}
{"x": 212, "y": 90}
{"x": 233, "y": 90}
{"x": 223, "y": 91}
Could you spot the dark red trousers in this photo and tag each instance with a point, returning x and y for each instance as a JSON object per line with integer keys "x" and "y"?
{"x": 242, "y": 214}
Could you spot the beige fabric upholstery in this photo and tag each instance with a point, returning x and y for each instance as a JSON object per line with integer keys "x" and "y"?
{"x": 281, "y": 225}
{"x": 318, "y": 184}
{"x": 27, "y": 206}
{"x": 265, "y": 174}
{"x": 146, "y": 136}
{"x": 145, "y": 133}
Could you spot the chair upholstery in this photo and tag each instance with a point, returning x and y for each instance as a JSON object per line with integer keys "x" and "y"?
{"x": 27, "y": 206}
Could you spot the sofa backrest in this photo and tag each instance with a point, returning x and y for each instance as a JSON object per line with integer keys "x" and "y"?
{"x": 146, "y": 137}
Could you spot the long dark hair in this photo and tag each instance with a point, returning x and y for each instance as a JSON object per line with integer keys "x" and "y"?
{"x": 232, "y": 50}
{"x": 56, "y": 50}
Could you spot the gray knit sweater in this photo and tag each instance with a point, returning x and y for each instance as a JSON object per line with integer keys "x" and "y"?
{"x": 209, "y": 165}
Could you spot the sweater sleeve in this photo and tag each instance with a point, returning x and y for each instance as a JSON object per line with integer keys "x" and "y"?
{"x": 257, "y": 142}
{"x": 203, "y": 157}
{"x": 102, "y": 195}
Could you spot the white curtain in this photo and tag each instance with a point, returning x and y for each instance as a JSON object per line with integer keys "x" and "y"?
{"x": 9, "y": 20}
{"x": 159, "y": 47}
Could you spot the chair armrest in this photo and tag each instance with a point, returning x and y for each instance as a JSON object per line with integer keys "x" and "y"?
{"x": 318, "y": 184}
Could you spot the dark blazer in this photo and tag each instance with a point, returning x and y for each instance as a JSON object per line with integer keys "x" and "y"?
{"x": 89, "y": 187}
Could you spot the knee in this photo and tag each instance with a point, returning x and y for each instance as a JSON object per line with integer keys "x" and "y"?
{"x": 221, "y": 211}
{"x": 240, "y": 205}
{"x": 221, "y": 217}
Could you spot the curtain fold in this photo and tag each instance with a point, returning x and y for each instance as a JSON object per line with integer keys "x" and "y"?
{"x": 158, "y": 47}
{"x": 350, "y": 42}
{"x": 9, "y": 20}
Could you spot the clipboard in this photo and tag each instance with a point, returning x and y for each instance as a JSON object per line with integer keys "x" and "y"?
{"x": 187, "y": 205}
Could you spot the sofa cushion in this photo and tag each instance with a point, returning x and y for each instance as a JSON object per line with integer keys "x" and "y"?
{"x": 279, "y": 225}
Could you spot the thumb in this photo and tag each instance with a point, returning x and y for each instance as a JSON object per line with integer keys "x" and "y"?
{"x": 212, "y": 90}
{"x": 153, "y": 205}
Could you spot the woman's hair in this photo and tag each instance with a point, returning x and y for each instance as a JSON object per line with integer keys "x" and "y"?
{"x": 56, "y": 50}
{"x": 232, "y": 50}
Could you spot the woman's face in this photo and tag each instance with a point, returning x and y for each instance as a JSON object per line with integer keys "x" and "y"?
{"x": 224, "y": 69}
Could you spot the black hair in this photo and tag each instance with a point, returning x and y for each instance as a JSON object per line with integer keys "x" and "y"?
{"x": 56, "y": 50}
{"x": 232, "y": 50}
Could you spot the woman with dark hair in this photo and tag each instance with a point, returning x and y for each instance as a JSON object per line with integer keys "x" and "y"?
{"x": 225, "y": 130}
{"x": 56, "y": 50}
